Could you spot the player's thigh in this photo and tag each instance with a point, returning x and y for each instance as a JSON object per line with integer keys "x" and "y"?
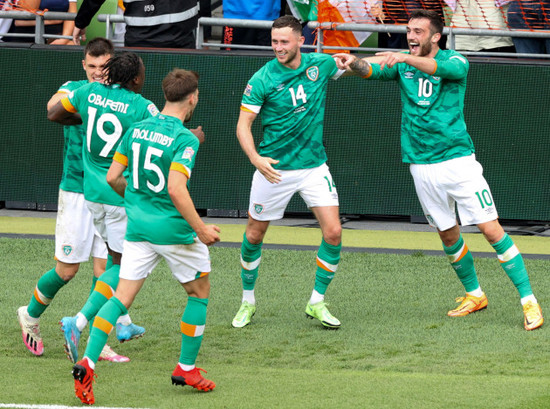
{"x": 437, "y": 205}
{"x": 268, "y": 201}
{"x": 115, "y": 224}
{"x": 317, "y": 188}
{"x": 471, "y": 192}
{"x": 139, "y": 258}
{"x": 186, "y": 261}
{"x": 74, "y": 229}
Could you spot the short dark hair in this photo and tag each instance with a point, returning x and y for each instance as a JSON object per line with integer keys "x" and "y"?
{"x": 179, "y": 83}
{"x": 288, "y": 21}
{"x": 122, "y": 69}
{"x": 99, "y": 46}
{"x": 435, "y": 19}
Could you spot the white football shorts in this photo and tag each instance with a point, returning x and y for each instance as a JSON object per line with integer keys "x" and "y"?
{"x": 110, "y": 221}
{"x": 456, "y": 183}
{"x": 268, "y": 201}
{"x": 76, "y": 237}
{"x": 187, "y": 262}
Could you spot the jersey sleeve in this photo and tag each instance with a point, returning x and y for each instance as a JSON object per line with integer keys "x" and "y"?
{"x": 254, "y": 95}
{"x": 185, "y": 154}
{"x": 386, "y": 74}
{"x": 121, "y": 154}
{"x": 454, "y": 68}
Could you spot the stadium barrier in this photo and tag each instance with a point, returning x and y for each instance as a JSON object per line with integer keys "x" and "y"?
{"x": 505, "y": 109}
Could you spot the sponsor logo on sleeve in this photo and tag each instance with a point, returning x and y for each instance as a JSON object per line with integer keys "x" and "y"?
{"x": 188, "y": 153}
{"x": 248, "y": 90}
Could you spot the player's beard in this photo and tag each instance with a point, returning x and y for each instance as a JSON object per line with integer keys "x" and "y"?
{"x": 290, "y": 57}
{"x": 424, "y": 49}
{"x": 189, "y": 115}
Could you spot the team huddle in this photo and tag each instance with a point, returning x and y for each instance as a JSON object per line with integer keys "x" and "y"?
{"x": 124, "y": 197}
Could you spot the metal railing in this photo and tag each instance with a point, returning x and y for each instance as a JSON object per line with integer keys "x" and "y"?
{"x": 39, "y": 35}
{"x": 109, "y": 19}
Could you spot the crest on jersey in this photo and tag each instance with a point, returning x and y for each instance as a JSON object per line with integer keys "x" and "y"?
{"x": 188, "y": 153}
{"x": 258, "y": 208}
{"x": 67, "y": 249}
{"x": 313, "y": 73}
{"x": 248, "y": 90}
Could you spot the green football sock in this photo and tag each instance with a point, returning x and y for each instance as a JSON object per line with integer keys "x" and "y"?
{"x": 109, "y": 263}
{"x": 104, "y": 289}
{"x": 47, "y": 287}
{"x": 103, "y": 325}
{"x": 463, "y": 263}
{"x": 192, "y": 326}
{"x": 94, "y": 281}
{"x": 511, "y": 261}
{"x": 328, "y": 258}
{"x": 251, "y": 255}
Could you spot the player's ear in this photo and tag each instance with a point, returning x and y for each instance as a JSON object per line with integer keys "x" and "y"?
{"x": 436, "y": 37}
{"x": 84, "y": 65}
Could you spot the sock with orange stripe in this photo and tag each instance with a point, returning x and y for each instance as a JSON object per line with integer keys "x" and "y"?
{"x": 103, "y": 325}
{"x": 108, "y": 265}
{"x": 104, "y": 289}
{"x": 192, "y": 326}
{"x": 511, "y": 261}
{"x": 47, "y": 287}
{"x": 251, "y": 255}
{"x": 463, "y": 263}
{"x": 328, "y": 258}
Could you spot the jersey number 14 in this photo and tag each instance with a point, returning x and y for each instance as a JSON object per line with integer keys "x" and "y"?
{"x": 299, "y": 94}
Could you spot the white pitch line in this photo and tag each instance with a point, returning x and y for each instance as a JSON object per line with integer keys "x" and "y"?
{"x": 23, "y": 406}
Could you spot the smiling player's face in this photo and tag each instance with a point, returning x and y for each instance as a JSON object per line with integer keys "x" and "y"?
{"x": 93, "y": 66}
{"x": 286, "y": 46}
{"x": 420, "y": 38}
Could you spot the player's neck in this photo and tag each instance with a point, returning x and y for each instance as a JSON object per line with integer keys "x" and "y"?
{"x": 175, "y": 110}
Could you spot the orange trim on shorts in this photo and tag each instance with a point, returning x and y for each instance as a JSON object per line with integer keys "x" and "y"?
{"x": 103, "y": 325}
{"x": 188, "y": 329}
{"x": 67, "y": 105}
{"x": 104, "y": 289}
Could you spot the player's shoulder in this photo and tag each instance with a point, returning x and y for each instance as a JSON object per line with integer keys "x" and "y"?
{"x": 71, "y": 85}
{"x": 451, "y": 55}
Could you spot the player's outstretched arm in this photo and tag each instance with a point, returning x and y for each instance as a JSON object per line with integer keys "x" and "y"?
{"x": 352, "y": 64}
{"x": 86, "y": 12}
{"x": 246, "y": 140}
{"x": 177, "y": 189}
{"x": 59, "y": 114}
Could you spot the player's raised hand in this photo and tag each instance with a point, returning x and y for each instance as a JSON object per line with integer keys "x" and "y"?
{"x": 199, "y": 133}
{"x": 209, "y": 234}
{"x": 79, "y": 34}
{"x": 263, "y": 164}
{"x": 391, "y": 58}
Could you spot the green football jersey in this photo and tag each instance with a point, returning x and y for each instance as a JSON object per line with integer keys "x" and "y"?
{"x": 107, "y": 111}
{"x": 432, "y": 121}
{"x": 292, "y": 107}
{"x": 151, "y": 148}
{"x": 73, "y": 173}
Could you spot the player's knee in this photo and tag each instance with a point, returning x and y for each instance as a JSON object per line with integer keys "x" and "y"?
{"x": 333, "y": 235}
{"x": 66, "y": 271}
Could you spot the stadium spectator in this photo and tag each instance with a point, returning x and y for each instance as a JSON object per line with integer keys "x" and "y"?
{"x": 249, "y": 10}
{"x": 290, "y": 93}
{"x": 75, "y": 235}
{"x": 163, "y": 223}
{"x": 485, "y": 14}
{"x": 149, "y": 23}
{"x": 530, "y": 15}
{"x": 106, "y": 110}
{"x": 53, "y": 27}
{"x": 436, "y": 144}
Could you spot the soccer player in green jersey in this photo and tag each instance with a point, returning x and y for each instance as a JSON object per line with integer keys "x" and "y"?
{"x": 106, "y": 111}
{"x": 289, "y": 93}
{"x": 159, "y": 155}
{"x": 75, "y": 235}
{"x": 436, "y": 144}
